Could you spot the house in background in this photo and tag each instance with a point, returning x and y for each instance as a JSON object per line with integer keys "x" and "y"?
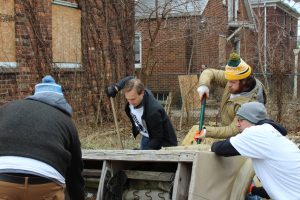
{"x": 184, "y": 37}
{"x": 277, "y": 21}
{"x": 276, "y": 42}
{"x": 85, "y": 45}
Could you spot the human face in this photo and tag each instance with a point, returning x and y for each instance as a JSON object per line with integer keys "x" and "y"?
{"x": 133, "y": 98}
{"x": 234, "y": 87}
{"x": 242, "y": 124}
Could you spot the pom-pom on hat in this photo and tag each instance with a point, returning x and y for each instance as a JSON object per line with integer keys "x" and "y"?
{"x": 252, "y": 112}
{"x": 236, "y": 68}
{"x": 48, "y": 85}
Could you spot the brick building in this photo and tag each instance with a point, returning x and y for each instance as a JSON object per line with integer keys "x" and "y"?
{"x": 184, "y": 38}
{"x": 281, "y": 23}
{"x": 81, "y": 43}
{"x": 276, "y": 48}
{"x": 191, "y": 36}
{"x": 87, "y": 45}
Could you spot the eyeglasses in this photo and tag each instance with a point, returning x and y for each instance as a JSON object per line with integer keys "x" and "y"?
{"x": 239, "y": 120}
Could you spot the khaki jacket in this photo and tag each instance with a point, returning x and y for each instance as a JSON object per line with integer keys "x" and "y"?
{"x": 228, "y": 107}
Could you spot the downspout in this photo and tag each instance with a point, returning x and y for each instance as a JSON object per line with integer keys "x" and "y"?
{"x": 296, "y": 52}
{"x": 265, "y": 39}
{"x": 230, "y": 10}
{"x": 236, "y": 7}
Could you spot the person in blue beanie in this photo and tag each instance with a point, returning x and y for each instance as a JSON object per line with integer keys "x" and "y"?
{"x": 40, "y": 152}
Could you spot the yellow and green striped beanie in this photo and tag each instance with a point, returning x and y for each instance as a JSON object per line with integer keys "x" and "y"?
{"x": 236, "y": 68}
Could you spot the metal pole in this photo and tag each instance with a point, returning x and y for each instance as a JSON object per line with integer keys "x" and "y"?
{"x": 265, "y": 39}
{"x": 296, "y": 52}
{"x": 201, "y": 116}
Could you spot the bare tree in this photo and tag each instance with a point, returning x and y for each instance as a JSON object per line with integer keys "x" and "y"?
{"x": 277, "y": 44}
{"x": 172, "y": 20}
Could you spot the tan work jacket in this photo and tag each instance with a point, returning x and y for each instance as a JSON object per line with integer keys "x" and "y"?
{"x": 229, "y": 106}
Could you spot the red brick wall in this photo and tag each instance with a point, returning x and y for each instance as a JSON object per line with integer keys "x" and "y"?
{"x": 7, "y": 87}
{"x": 83, "y": 88}
{"x": 173, "y": 57}
{"x": 281, "y": 37}
{"x": 33, "y": 43}
{"x": 169, "y": 54}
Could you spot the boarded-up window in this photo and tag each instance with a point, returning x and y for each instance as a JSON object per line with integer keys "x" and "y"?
{"x": 66, "y": 35}
{"x": 222, "y": 50}
{"x": 7, "y": 34}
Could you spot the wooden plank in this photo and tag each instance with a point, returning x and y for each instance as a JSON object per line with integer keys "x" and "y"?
{"x": 66, "y": 34}
{"x": 141, "y": 155}
{"x": 168, "y": 103}
{"x": 136, "y": 174}
{"x": 188, "y": 89}
{"x": 182, "y": 181}
{"x": 149, "y": 175}
{"x": 190, "y": 99}
{"x": 7, "y": 31}
{"x": 91, "y": 172}
{"x": 102, "y": 179}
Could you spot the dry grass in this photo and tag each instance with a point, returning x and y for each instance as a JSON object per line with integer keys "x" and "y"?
{"x": 106, "y": 137}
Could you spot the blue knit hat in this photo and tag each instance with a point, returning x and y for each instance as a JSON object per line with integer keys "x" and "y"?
{"x": 48, "y": 85}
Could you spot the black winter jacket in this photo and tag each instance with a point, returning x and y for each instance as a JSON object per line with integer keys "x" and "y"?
{"x": 159, "y": 126}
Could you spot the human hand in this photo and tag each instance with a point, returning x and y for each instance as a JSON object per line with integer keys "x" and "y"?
{"x": 121, "y": 83}
{"x": 112, "y": 90}
{"x": 200, "y": 135}
{"x": 203, "y": 90}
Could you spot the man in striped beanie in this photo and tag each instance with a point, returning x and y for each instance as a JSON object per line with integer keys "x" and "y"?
{"x": 240, "y": 87}
{"x": 237, "y": 68}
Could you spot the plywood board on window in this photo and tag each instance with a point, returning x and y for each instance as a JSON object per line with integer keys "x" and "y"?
{"x": 66, "y": 34}
{"x": 7, "y": 31}
{"x": 188, "y": 85}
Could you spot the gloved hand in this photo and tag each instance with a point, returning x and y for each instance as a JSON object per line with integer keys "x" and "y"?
{"x": 113, "y": 89}
{"x": 200, "y": 135}
{"x": 203, "y": 90}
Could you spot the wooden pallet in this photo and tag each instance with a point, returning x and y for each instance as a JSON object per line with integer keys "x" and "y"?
{"x": 189, "y": 172}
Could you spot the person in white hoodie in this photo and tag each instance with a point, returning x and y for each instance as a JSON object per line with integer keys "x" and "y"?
{"x": 276, "y": 159}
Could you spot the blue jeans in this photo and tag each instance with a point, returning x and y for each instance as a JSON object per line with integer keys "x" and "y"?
{"x": 252, "y": 197}
{"x": 144, "y": 142}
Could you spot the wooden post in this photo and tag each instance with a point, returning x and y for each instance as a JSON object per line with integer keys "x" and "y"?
{"x": 116, "y": 122}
